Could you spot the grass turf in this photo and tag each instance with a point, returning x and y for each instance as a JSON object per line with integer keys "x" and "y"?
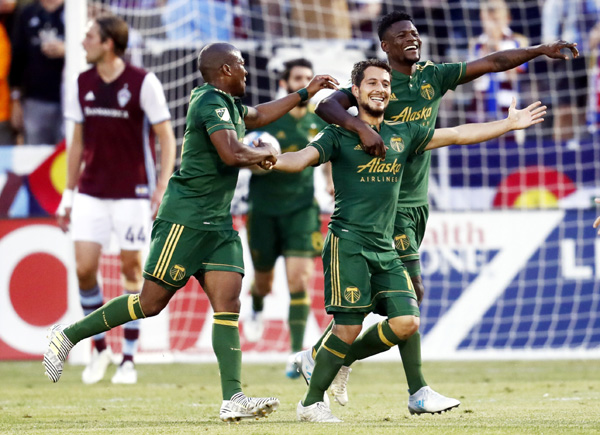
{"x": 526, "y": 397}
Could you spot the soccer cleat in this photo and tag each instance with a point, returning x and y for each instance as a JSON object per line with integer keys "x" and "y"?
{"x": 241, "y": 407}
{"x": 125, "y": 374}
{"x": 95, "y": 370}
{"x": 338, "y": 386}
{"x": 305, "y": 364}
{"x": 291, "y": 370}
{"x": 254, "y": 327}
{"x": 317, "y": 413}
{"x": 57, "y": 352}
{"x": 427, "y": 401}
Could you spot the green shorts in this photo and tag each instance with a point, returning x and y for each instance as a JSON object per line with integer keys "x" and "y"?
{"x": 296, "y": 234}
{"x": 177, "y": 253}
{"x": 409, "y": 229}
{"x": 358, "y": 278}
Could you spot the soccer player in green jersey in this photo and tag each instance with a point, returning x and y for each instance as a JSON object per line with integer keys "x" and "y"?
{"x": 283, "y": 218}
{"x": 193, "y": 233}
{"x": 416, "y": 93}
{"x": 363, "y": 272}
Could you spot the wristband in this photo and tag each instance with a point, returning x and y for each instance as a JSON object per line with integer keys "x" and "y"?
{"x": 303, "y": 94}
{"x": 65, "y": 202}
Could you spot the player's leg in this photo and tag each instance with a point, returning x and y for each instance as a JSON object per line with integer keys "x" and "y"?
{"x": 263, "y": 241}
{"x": 221, "y": 277}
{"x": 90, "y": 228}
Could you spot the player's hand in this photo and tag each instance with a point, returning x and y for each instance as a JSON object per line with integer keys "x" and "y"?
{"x": 64, "y": 219}
{"x": 597, "y": 221}
{"x": 371, "y": 142}
{"x": 53, "y": 49}
{"x": 16, "y": 115}
{"x": 156, "y": 199}
{"x": 531, "y": 115}
{"x": 553, "y": 49}
{"x": 321, "y": 81}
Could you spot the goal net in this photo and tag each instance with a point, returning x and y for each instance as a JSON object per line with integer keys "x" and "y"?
{"x": 510, "y": 260}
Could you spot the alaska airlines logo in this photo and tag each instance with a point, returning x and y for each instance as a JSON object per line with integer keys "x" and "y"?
{"x": 397, "y": 144}
{"x": 402, "y": 242}
{"x": 407, "y": 114}
{"x": 427, "y": 91}
{"x": 352, "y": 294}
{"x": 177, "y": 272}
{"x": 376, "y": 165}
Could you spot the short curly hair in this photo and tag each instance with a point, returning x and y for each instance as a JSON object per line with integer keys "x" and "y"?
{"x": 387, "y": 20}
{"x": 358, "y": 71}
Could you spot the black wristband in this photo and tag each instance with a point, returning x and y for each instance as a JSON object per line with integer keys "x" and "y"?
{"x": 303, "y": 94}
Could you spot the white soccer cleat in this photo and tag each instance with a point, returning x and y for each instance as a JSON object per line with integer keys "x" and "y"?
{"x": 57, "y": 352}
{"x": 339, "y": 384}
{"x": 241, "y": 407}
{"x": 125, "y": 374}
{"x": 317, "y": 413}
{"x": 291, "y": 370}
{"x": 305, "y": 364}
{"x": 254, "y": 327}
{"x": 95, "y": 370}
{"x": 427, "y": 401}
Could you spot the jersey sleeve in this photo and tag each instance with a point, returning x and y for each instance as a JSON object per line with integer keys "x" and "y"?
{"x": 213, "y": 113}
{"x": 325, "y": 142}
{"x": 72, "y": 107}
{"x": 449, "y": 75}
{"x": 420, "y": 137}
{"x": 153, "y": 101}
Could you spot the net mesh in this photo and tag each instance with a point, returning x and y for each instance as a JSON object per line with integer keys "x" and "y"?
{"x": 550, "y": 300}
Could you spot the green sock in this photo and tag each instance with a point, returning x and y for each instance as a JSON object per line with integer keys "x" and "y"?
{"x": 226, "y": 344}
{"x": 299, "y": 309}
{"x": 258, "y": 302}
{"x": 328, "y": 361}
{"x": 378, "y": 338}
{"x": 410, "y": 351}
{"x": 115, "y": 312}
{"x": 317, "y": 345}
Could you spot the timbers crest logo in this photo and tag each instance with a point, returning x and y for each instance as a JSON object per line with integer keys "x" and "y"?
{"x": 352, "y": 294}
{"x": 177, "y": 272}
{"x": 427, "y": 91}
{"x": 401, "y": 242}
{"x": 397, "y": 144}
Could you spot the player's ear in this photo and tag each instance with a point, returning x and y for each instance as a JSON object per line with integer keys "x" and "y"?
{"x": 282, "y": 84}
{"x": 355, "y": 91}
{"x": 226, "y": 69}
{"x": 384, "y": 46}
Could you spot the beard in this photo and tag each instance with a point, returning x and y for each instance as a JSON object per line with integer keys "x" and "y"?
{"x": 372, "y": 111}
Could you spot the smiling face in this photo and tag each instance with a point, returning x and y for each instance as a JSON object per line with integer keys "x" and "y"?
{"x": 402, "y": 43}
{"x": 373, "y": 92}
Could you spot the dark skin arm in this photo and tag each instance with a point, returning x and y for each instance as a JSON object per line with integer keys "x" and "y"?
{"x": 235, "y": 153}
{"x": 333, "y": 109}
{"x": 508, "y": 59}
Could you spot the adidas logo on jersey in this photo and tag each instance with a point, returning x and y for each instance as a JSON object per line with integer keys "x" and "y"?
{"x": 89, "y": 96}
{"x": 358, "y": 147}
{"x": 393, "y": 97}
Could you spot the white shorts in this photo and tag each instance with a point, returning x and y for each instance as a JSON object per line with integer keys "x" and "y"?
{"x": 94, "y": 219}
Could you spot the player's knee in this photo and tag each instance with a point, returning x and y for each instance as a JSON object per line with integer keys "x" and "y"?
{"x": 86, "y": 275}
{"x": 153, "y": 307}
{"x": 404, "y": 326}
{"x": 263, "y": 281}
{"x": 132, "y": 271}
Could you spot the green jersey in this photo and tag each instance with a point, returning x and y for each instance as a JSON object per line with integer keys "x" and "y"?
{"x": 366, "y": 188}
{"x": 199, "y": 193}
{"x": 417, "y": 98}
{"x": 278, "y": 193}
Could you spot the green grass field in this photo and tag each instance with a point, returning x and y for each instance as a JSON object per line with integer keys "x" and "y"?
{"x": 533, "y": 397}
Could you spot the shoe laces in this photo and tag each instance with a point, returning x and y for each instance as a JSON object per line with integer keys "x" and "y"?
{"x": 341, "y": 380}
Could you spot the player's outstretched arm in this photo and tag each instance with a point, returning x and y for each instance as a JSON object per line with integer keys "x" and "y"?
{"x": 468, "y": 134}
{"x": 509, "y": 59}
{"x": 333, "y": 109}
{"x": 235, "y": 153}
{"x": 597, "y": 221}
{"x": 266, "y": 113}
{"x": 297, "y": 161}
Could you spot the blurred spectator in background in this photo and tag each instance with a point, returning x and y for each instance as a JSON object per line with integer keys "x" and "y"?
{"x": 320, "y": 19}
{"x": 7, "y": 135}
{"x": 571, "y": 20}
{"x": 363, "y": 18}
{"x": 198, "y": 20}
{"x": 38, "y": 52}
{"x": 494, "y": 92}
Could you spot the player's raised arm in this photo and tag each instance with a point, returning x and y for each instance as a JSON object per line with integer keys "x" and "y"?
{"x": 468, "y": 134}
{"x": 509, "y": 59}
{"x": 333, "y": 109}
{"x": 297, "y": 161}
{"x": 266, "y": 113}
{"x": 235, "y": 153}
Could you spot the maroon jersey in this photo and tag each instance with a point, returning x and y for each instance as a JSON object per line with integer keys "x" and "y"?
{"x": 117, "y": 116}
